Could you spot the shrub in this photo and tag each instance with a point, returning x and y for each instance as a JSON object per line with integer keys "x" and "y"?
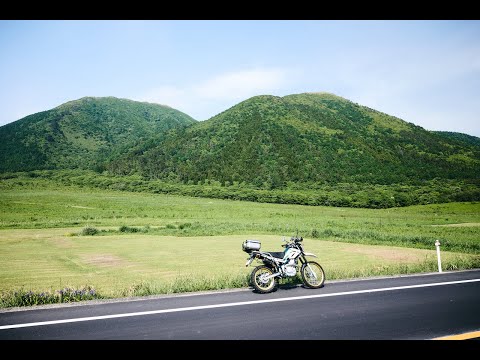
{"x": 185, "y": 225}
{"x": 129, "y": 229}
{"x": 88, "y": 231}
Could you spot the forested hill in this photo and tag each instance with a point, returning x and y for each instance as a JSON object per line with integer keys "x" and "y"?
{"x": 83, "y": 133}
{"x": 463, "y": 138}
{"x": 311, "y": 138}
{"x": 268, "y": 142}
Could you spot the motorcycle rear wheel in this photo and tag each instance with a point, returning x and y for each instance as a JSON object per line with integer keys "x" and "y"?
{"x": 313, "y": 275}
{"x": 259, "y": 283}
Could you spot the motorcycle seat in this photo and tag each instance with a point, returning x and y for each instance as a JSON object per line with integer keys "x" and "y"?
{"x": 278, "y": 255}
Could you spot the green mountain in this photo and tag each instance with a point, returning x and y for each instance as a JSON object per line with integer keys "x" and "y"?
{"x": 303, "y": 140}
{"x": 462, "y": 138}
{"x": 83, "y": 133}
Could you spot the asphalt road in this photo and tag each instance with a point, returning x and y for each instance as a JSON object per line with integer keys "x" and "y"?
{"x": 418, "y": 307}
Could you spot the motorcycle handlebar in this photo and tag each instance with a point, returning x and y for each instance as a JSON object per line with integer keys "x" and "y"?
{"x": 296, "y": 239}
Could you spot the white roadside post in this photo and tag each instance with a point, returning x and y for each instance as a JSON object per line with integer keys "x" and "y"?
{"x": 437, "y": 244}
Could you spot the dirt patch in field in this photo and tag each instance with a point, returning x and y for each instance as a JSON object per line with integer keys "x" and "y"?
{"x": 459, "y": 225}
{"x": 396, "y": 255}
{"x": 104, "y": 260}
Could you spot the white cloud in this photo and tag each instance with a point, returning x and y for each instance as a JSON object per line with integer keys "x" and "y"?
{"x": 218, "y": 93}
{"x": 241, "y": 84}
{"x": 165, "y": 95}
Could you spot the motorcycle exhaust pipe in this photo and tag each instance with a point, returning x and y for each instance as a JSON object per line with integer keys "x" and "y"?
{"x": 271, "y": 276}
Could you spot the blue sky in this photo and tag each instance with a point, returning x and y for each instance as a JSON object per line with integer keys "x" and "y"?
{"x": 424, "y": 72}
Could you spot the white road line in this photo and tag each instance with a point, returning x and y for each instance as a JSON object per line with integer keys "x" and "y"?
{"x": 152, "y": 312}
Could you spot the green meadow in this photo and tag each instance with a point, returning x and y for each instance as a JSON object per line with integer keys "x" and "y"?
{"x": 128, "y": 244}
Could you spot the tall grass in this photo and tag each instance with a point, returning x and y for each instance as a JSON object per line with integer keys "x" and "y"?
{"x": 23, "y": 297}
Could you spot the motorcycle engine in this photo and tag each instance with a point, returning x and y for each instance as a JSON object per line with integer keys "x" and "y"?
{"x": 290, "y": 269}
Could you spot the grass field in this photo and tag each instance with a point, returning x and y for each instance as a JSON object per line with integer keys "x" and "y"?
{"x": 47, "y": 259}
{"x": 148, "y": 244}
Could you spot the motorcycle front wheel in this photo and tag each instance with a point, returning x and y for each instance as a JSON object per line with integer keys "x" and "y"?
{"x": 313, "y": 275}
{"x": 258, "y": 281}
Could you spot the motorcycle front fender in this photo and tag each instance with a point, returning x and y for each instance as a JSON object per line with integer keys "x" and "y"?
{"x": 310, "y": 254}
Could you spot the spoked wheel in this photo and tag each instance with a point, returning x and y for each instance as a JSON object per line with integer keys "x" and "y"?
{"x": 313, "y": 275}
{"x": 260, "y": 282}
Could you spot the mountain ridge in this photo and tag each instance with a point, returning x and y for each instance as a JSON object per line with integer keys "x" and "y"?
{"x": 83, "y": 133}
{"x": 307, "y": 138}
{"x": 267, "y": 141}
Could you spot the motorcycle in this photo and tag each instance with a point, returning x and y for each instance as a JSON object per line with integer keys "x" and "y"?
{"x": 277, "y": 265}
